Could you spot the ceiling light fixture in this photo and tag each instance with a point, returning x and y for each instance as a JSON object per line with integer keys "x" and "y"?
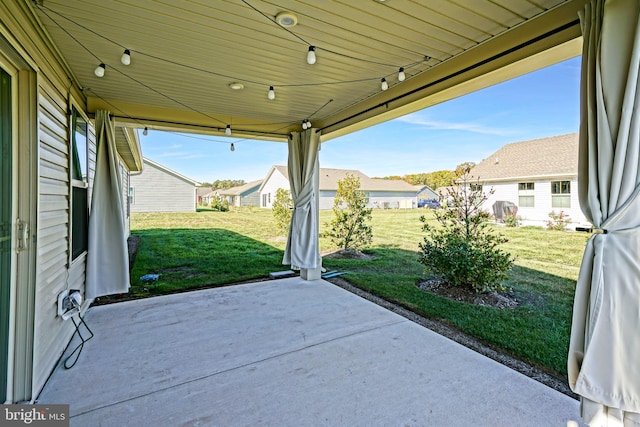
{"x": 126, "y": 57}
{"x": 311, "y": 55}
{"x": 145, "y": 132}
{"x": 401, "y": 75}
{"x": 100, "y": 69}
{"x": 227, "y": 131}
{"x": 272, "y": 93}
{"x": 286, "y": 19}
{"x": 383, "y": 84}
{"x": 236, "y": 86}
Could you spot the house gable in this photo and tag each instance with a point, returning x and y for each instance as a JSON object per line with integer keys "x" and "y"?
{"x": 160, "y": 189}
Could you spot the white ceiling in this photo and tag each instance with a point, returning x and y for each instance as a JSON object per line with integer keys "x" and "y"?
{"x": 184, "y": 54}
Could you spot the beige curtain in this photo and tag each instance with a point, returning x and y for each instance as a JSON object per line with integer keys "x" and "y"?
{"x": 604, "y": 353}
{"x": 107, "y": 256}
{"x": 302, "y": 249}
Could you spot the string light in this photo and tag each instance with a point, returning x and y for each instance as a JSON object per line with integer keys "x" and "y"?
{"x": 311, "y": 55}
{"x": 145, "y": 132}
{"x": 383, "y": 84}
{"x": 126, "y": 57}
{"x": 227, "y": 131}
{"x": 233, "y": 147}
{"x": 272, "y": 93}
{"x": 401, "y": 75}
{"x": 100, "y": 69}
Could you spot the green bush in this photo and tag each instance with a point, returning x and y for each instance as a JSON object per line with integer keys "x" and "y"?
{"x": 219, "y": 204}
{"x": 282, "y": 210}
{"x": 463, "y": 250}
{"x": 558, "y": 221}
{"x": 511, "y": 220}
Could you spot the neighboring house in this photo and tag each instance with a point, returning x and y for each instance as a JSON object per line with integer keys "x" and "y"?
{"x": 208, "y": 198}
{"x": 160, "y": 189}
{"x": 382, "y": 193}
{"x": 426, "y": 193}
{"x": 539, "y": 176}
{"x": 201, "y": 193}
{"x": 243, "y": 195}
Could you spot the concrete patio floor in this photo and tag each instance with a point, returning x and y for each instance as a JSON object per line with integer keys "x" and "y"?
{"x": 287, "y": 353}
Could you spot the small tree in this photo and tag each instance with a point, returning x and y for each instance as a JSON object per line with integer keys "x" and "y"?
{"x": 349, "y": 228}
{"x": 464, "y": 251}
{"x": 282, "y": 210}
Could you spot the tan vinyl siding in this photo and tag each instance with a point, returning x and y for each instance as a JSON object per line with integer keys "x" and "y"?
{"x": 51, "y": 334}
{"x": 51, "y": 100}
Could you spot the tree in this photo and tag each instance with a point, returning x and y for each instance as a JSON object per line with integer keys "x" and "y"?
{"x": 282, "y": 210}
{"x": 349, "y": 228}
{"x": 462, "y": 167}
{"x": 464, "y": 251}
{"x": 223, "y": 184}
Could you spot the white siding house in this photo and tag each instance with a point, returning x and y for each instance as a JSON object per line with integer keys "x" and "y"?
{"x": 382, "y": 193}
{"x": 159, "y": 189}
{"x": 539, "y": 176}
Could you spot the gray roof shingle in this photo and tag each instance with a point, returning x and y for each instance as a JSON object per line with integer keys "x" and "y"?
{"x": 545, "y": 157}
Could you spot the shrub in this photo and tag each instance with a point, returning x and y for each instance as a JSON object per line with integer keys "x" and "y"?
{"x": 558, "y": 221}
{"x": 464, "y": 251}
{"x": 349, "y": 228}
{"x": 219, "y": 204}
{"x": 511, "y": 220}
{"x": 282, "y": 210}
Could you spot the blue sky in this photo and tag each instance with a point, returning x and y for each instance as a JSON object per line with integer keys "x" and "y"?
{"x": 540, "y": 104}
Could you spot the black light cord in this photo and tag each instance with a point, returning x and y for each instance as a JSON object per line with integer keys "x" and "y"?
{"x": 80, "y": 346}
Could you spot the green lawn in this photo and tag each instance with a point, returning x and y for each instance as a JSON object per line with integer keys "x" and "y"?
{"x": 206, "y": 248}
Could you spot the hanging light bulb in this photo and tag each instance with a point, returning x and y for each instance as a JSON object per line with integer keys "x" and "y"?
{"x": 401, "y": 75}
{"x": 227, "y": 131}
{"x": 126, "y": 57}
{"x": 100, "y": 69}
{"x": 304, "y": 124}
{"x": 383, "y": 84}
{"x": 311, "y": 55}
{"x": 272, "y": 93}
{"x": 145, "y": 132}
{"x": 308, "y": 124}
{"x": 233, "y": 147}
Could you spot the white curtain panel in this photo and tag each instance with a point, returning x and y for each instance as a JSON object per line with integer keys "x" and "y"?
{"x": 604, "y": 353}
{"x": 302, "y": 249}
{"x": 107, "y": 257}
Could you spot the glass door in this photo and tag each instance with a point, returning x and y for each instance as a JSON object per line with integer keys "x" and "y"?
{"x": 6, "y": 160}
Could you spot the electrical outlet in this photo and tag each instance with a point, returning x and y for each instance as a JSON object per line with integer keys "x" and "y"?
{"x": 63, "y": 299}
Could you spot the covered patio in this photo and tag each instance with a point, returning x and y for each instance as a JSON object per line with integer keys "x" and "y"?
{"x": 81, "y": 78}
{"x": 287, "y": 352}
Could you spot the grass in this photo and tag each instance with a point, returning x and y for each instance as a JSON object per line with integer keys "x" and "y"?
{"x": 214, "y": 248}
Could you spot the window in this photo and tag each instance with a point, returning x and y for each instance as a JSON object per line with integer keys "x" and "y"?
{"x": 132, "y": 193}
{"x": 476, "y": 188}
{"x": 79, "y": 185}
{"x": 264, "y": 200}
{"x": 561, "y": 194}
{"x": 525, "y": 195}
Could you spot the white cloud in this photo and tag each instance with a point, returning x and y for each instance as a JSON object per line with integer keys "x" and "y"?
{"x": 421, "y": 120}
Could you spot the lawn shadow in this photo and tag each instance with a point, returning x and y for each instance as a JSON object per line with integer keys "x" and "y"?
{"x": 188, "y": 258}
